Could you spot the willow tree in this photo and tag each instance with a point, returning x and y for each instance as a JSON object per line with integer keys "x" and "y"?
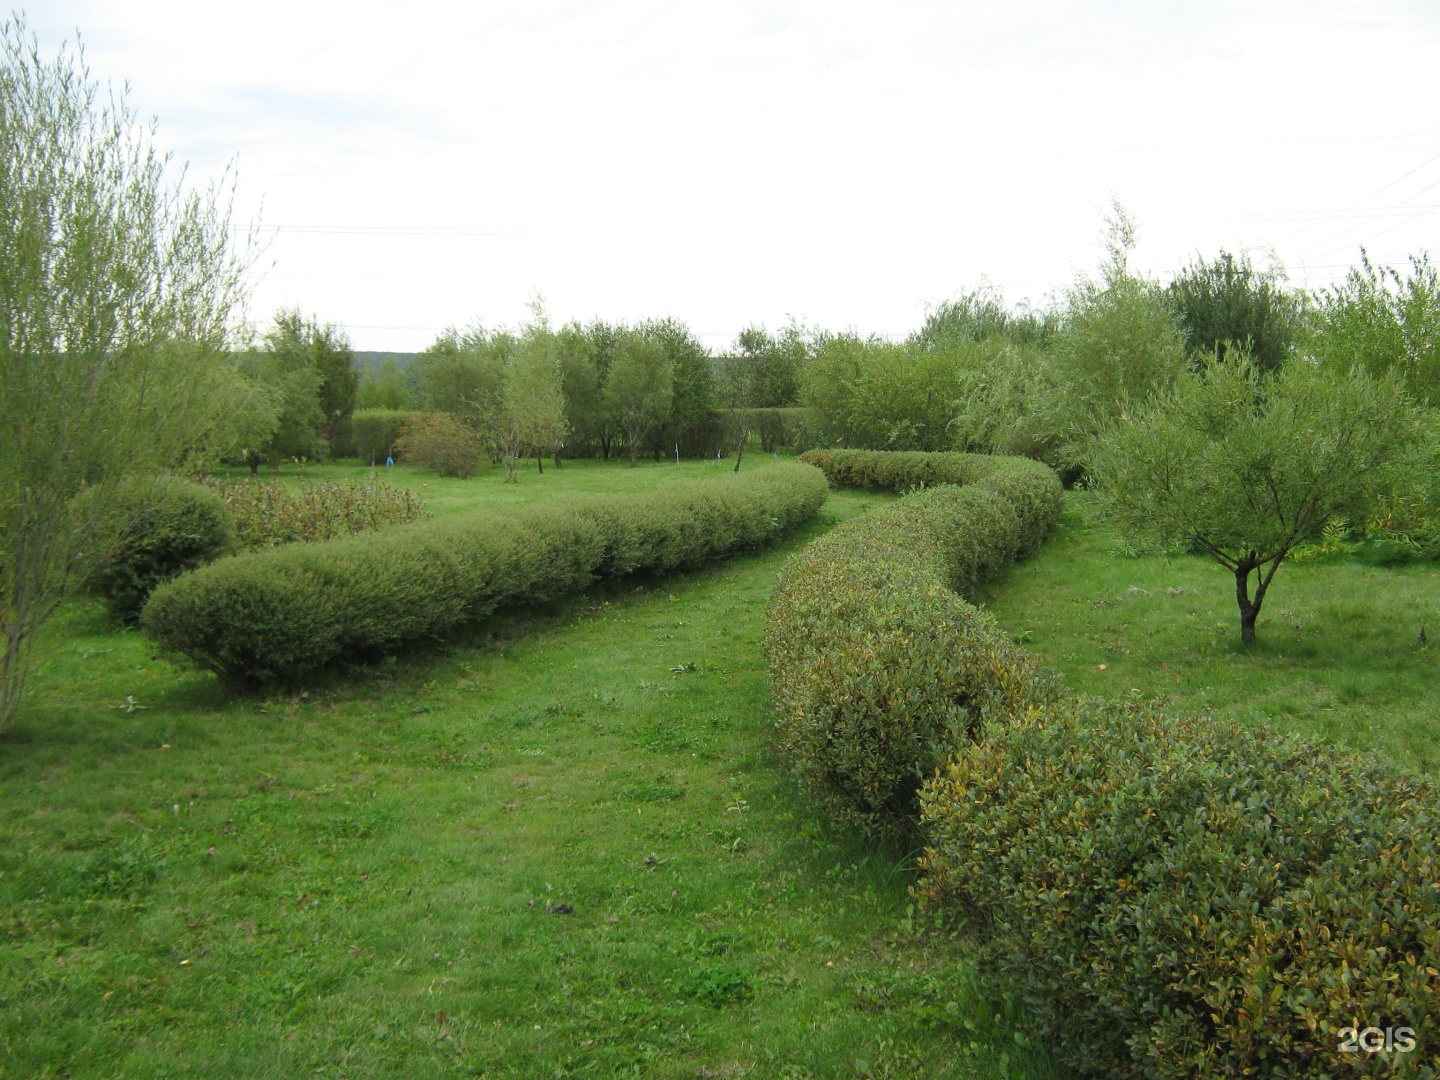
{"x": 117, "y": 287}
{"x": 1245, "y": 466}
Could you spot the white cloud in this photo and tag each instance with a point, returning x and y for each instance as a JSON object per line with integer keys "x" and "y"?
{"x": 732, "y": 162}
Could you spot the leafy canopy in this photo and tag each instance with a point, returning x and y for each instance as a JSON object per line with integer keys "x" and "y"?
{"x": 1245, "y": 466}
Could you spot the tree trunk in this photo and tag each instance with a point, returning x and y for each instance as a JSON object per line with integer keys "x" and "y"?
{"x": 740, "y": 449}
{"x": 539, "y": 462}
{"x": 12, "y": 672}
{"x": 634, "y": 452}
{"x": 1250, "y": 607}
{"x": 557, "y": 457}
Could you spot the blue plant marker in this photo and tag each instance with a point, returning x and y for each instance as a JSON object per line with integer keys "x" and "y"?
{"x": 389, "y": 462}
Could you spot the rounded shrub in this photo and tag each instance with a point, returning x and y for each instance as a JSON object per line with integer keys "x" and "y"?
{"x": 1189, "y": 898}
{"x": 170, "y": 526}
{"x": 440, "y": 442}
{"x": 282, "y": 613}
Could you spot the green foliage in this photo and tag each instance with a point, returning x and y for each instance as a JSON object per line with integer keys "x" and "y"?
{"x": 385, "y": 387}
{"x": 879, "y": 394}
{"x": 691, "y": 381}
{"x": 1007, "y": 400}
{"x": 720, "y": 985}
{"x": 982, "y": 315}
{"x": 117, "y": 288}
{"x": 1384, "y": 322}
{"x": 583, "y": 354}
{"x": 1120, "y": 345}
{"x": 1228, "y": 304}
{"x": 777, "y": 359}
{"x": 279, "y": 416}
{"x": 531, "y": 415}
{"x": 1246, "y": 466}
{"x": 171, "y": 526}
{"x": 463, "y": 372}
{"x": 284, "y": 613}
{"x": 639, "y": 388}
{"x": 267, "y": 515}
{"x": 296, "y": 342}
{"x": 878, "y": 667}
{"x": 376, "y": 431}
{"x": 440, "y": 442}
{"x": 1190, "y": 898}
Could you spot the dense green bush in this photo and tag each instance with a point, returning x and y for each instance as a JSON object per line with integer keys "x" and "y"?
{"x": 170, "y": 526}
{"x": 878, "y": 667}
{"x": 285, "y": 612}
{"x": 376, "y": 431}
{"x": 267, "y": 515}
{"x": 1030, "y": 486}
{"x": 1189, "y": 898}
{"x": 441, "y": 442}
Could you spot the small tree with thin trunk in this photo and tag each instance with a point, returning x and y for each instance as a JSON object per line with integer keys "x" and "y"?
{"x": 531, "y": 417}
{"x": 740, "y": 372}
{"x": 1245, "y": 466}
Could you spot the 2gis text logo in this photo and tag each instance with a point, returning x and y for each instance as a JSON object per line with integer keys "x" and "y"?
{"x": 1373, "y": 1040}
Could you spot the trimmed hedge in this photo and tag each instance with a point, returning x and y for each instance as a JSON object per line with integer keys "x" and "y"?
{"x": 1189, "y": 898}
{"x": 173, "y": 526}
{"x": 878, "y": 667}
{"x": 284, "y": 613}
{"x": 1169, "y": 897}
{"x": 1031, "y": 487}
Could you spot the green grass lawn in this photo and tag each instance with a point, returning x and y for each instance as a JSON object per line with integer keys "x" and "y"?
{"x": 1338, "y": 651}
{"x": 362, "y": 880}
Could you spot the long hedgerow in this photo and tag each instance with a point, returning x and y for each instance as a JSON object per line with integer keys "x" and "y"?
{"x": 284, "y": 613}
{"x": 878, "y": 666}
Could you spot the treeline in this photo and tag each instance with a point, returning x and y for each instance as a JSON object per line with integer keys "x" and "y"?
{"x": 598, "y": 389}
{"x": 979, "y": 375}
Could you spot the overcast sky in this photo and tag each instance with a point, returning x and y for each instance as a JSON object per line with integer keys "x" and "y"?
{"x": 421, "y": 164}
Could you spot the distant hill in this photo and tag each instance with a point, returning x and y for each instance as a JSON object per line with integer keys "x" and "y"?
{"x": 371, "y": 361}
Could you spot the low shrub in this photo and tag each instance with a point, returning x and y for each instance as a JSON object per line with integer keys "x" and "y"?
{"x": 267, "y": 515}
{"x": 376, "y": 431}
{"x": 283, "y": 613}
{"x": 1189, "y": 898}
{"x": 878, "y": 667}
{"x": 171, "y": 526}
{"x": 440, "y": 442}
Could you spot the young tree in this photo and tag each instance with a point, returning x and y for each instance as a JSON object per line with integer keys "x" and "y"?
{"x": 532, "y": 407}
{"x": 828, "y": 386}
{"x": 1120, "y": 343}
{"x": 581, "y": 381}
{"x": 740, "y": 375}
{"x": 1244, "y": 466}
{"x": 639, "y": 388}
{"x": 278, "y": 414}
{"x": 117, "y": 288}
{"x": 297, "y": 342}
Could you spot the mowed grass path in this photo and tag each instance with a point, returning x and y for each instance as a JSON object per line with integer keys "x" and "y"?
{"x": 361, "y": 881}
{"x": 1338, "y": 651}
